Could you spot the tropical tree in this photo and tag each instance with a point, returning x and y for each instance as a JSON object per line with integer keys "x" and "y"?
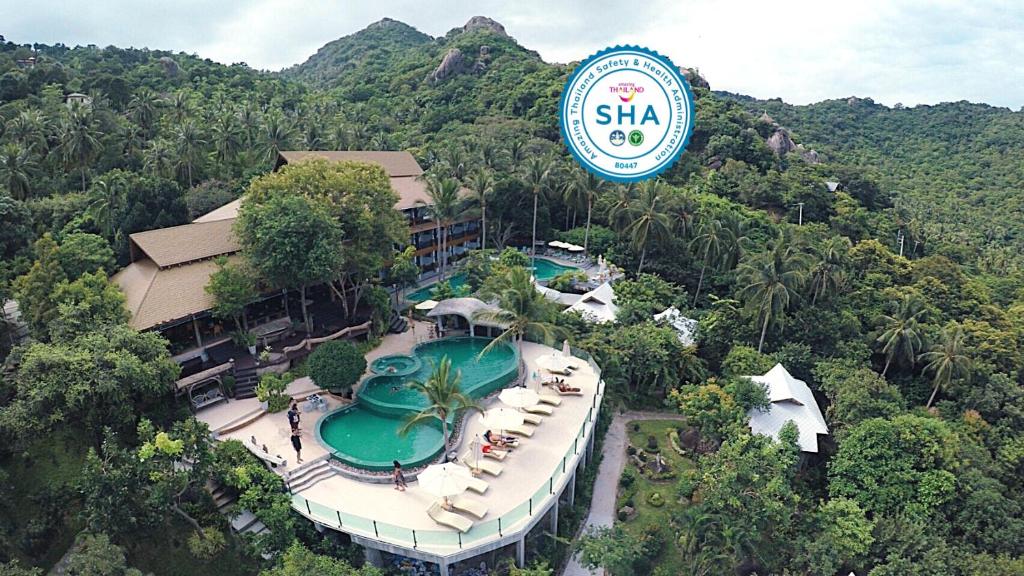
{"x": 901, "y": 338}
{"x": 537, "y": 174}
{"x": 16, "y": 168}
{"x": 710, "y": 243}
{"x": 226, "y": 136}
{"x": 583, "y": 188}
{"x": 947, "y": 361}
{"x": 771, "y": 282}
{"x": 621, "y": 212}
{"x": 651, "y": 223}
{"x": 523, "y": 311}
{"x": 278, "y": 134}
{"x": 143, "y": 108}
{"x": 79, "y": 136}
{"x": 481, "y": 184}
{"x": 189, "y": 148}
{"x": 827, "y": 270}
{"x": 445, "y": 206}
{"x": 444, "y": 399}
{"x": 106, "y": 199}
{"x": 233, "y": 288}
{"x": 28, "y": 128}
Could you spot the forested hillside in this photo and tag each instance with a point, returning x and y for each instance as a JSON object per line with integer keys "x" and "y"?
{"x": 777, "y": 232}
{"x": 955, "y": 170}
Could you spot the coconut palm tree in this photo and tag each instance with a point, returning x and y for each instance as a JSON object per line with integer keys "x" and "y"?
{"x": 710, "y": 242}
{"x": 106, "y": 198}
{"x": 490, "y": 154}
{"x": 29, "y": 128}
{"x": 947, "y": 361}
{"x": 901, "y": 339}
{"x": 620, "y": 213}
{"x": 772, "y": 281}
{"x": 444, "y": 399}
{"x": 143, "y": 108}
{"x": 522, "y": 311}
{"x": 16, "y": 167}
{"x": 651, "y": 223}
{"x": 188, "y": 148}
{"x": 827, "y": 270}
{"x": 226, "y": 136}
{"x": 79, "y": 136}
{"x": 585, "y": 186}
{"x": 537, "y": 174}
{"x": 516, "y": 152}
{"x": 445, "y": 206}
{"x": 278, "y": 134}
{"x": 454, "y": 157}
{"x": 481, "y": 184}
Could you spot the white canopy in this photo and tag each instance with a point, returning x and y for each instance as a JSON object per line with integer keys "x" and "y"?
{"x": 790, "y": 399}
{"x": 557, "y": 244}
{"x": 519, "y": 397}
{"x": 556, "y": 363}
{"x": 427, "y": 305}
{"x": 598, "y": 305}
{"x": 575, "y": 248}
{"x": 501, "y": 418}
{"x": 444, "y": 480}
{"x": 686, "y": 328}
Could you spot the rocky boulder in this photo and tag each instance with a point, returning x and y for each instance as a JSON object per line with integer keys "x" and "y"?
{"x": 170, "y": 67}
{"x": 484, "y": 23}
{"x": 453, "y": 63}
{"x": 780, "y": 142}
{"x": 694, "y": 78}
{"x": 810, "y": 156}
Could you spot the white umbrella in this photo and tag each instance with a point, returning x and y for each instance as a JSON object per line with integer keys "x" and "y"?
{"x": 475, "y": 452}
{"x": 554, "y": 363}
{"x": 501, "y": 418}
{"x": 519, "y": 397}
{"x": 427, "y": 305}
{"x": 555, "y": 243}
{"x": 575, "y": 248}
{"x": 444, "y": 480}
{"x": 566, "y": 349}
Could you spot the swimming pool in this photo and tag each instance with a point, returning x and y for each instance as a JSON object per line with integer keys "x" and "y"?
{"x": 544, "y": 270}
{"x": 365, "y": 434}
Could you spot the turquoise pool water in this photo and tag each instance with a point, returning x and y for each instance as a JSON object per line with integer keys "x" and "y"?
{"x": 544, "y": 270}
{"x": 365, "y": 434}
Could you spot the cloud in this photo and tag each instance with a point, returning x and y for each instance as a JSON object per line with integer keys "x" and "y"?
{"x": 908, "y": 51}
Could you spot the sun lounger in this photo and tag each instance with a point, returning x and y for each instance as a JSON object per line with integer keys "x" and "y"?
{"x": 532, "y": 419}
{"x": 540, "y": 409}
{"x": 568, "y": 391}
{"x": 565, "y": 372}
{"x": 450, "y": 519}
{"x": 481, "y": 465}
{"x": 477, "y": 485}
{"x": 496, "y": 454}
{"x": 549, "y": 399}
{"x": 469, "y": 506}
{"x": 520, "y": 431}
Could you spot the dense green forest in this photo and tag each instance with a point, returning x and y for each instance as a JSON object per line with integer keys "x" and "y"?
{"x": 915, "y": 359}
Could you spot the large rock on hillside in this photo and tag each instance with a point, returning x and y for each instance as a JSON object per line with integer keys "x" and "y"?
{"x": 453, "y": 63}
{"x": 694, "y": 78}
{"x": 484, "y": 23}
{"x": 780, "y": 142}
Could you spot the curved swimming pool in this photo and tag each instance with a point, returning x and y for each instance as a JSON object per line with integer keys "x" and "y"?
{"x": 365, "y": 434}
{"x": 544, "y": 270}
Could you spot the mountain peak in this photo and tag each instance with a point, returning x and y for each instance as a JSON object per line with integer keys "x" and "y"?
{"x": 484, "y": 23}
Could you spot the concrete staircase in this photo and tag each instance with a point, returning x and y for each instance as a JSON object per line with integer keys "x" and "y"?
{"x": 245, "y": 522}
{"x": 245, "y": 382}
{"x": 309, "y": 474}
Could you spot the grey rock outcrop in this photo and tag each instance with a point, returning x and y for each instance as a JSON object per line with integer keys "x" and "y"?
{"x": 810, "y": 156}
{"x": 484, "y": 23}
{"x": 453, "y": 63}
{"x": 171, "y": 68}
{"x": 780, "y": 142}
{"x": 694, "y": 78}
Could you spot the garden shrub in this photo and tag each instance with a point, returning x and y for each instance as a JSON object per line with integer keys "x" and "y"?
{"x": 656, "y": 500}
{"x": 336, "y": 366}
{"x": 208, "y": 545}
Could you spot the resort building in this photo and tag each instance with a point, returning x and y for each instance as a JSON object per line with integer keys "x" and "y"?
{"x": 598, "y": 305}
{"x": 790, "y": 400}
{"x": 165, "y": 282}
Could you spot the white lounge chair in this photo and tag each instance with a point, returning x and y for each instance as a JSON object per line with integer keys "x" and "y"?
{"x": 549, "y": 399}
{"x": 540, "y": 409}
{"x": 469, "y": 506}
{"x": 520, "y": 431}
{"x": 450, "y": 519}
{"x": 477, "y": 485}
{"x": 532, "y": 419}
{"x": 481, "y": 465}
{"x": 496, "y": 454}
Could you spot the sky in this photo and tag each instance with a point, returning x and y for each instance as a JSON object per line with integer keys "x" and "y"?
{"x": 898, "y": 51}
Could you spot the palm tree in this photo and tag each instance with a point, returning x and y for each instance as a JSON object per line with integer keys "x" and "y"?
{"x": 79, "y": 136}
{"x": 180, "y": 106}
{"x": 481, "y": 184}
{"x": 278, "y": 134}
{"x": 445, "y": 207}
{"x": 454, "y": 158}
{"x": 651, "y": 223}
{"x": 620, "y": 213}
{"x": 16, "y": 167}
{"x": 516, "y": 152}
{"x": 537, "y": 174}
{"x": 227, "y": 138}
{"x": 711, "y": 240}
{"x": 159, "y": 157}
{"x": 106, "y": 197}
{"x": 772, "y": 281}
{"x": 585, "y": 186}
{"x": 522, "y": 311}
{"x": 490, "y": 154}
{"x": 947, "y": 362}
{"x": 188, "y": 147}
{"x": 444, "y": 399}
{"x": 142, "y": 108}
{"x": 736, "y": 240}
{"x": 827, "y": 272}
{"x": 902, "y": 336}
{"x": 28, "y": 128}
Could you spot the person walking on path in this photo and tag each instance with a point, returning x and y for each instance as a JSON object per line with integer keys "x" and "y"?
{"x": 297, "y": 444}
{"x": 398, "y": 476}
{"x": 293, "y": 416}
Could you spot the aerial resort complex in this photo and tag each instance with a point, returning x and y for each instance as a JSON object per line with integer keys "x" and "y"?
{"x": 429, "y": 302}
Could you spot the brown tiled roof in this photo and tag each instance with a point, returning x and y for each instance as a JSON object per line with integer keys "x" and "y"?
{"x": 187, "y": 243}
{"x": 225, "y": 212}
{"x": 155, "y": 295}
{"x": 396, "y": 164}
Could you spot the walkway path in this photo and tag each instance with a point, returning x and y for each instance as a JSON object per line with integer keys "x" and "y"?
{"x": 613, "y": 458}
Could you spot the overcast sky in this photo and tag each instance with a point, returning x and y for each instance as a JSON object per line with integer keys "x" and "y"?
{"x": 907, "y": 51}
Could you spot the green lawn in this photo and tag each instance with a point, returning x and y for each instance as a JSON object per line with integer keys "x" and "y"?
{"x": 669, "y": 561}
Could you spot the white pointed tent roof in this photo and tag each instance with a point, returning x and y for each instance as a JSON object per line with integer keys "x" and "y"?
{"x": 790, "y": 399}
{"x": 686, "y": 328}
{"x": 598, "y": 305}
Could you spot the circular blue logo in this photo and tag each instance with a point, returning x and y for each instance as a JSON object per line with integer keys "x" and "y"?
{"x": 626, "y": 94}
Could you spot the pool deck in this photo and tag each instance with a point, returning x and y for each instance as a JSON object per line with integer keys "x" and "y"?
{"x": 525, "y": 470}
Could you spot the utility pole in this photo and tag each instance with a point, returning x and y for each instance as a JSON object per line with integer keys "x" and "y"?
{"x": 899, "y": 240}
{"x": 800, "y": 220}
